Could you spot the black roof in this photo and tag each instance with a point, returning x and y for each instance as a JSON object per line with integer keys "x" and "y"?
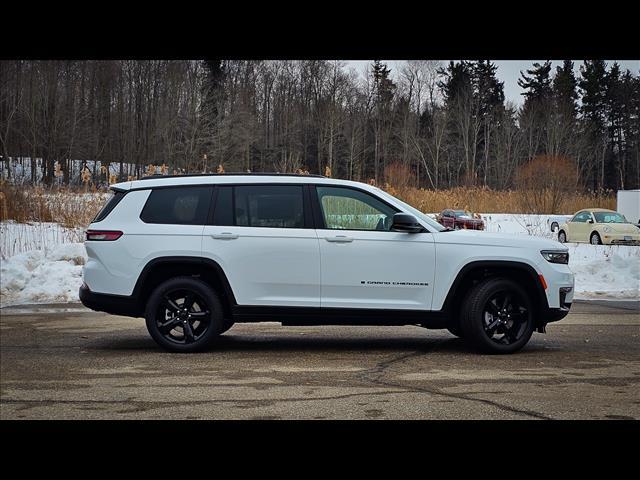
{"x": 158, "y": 176}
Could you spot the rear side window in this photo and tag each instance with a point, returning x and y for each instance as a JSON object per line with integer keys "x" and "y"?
{"x": 109, "y": 206}
{"x": 269, "y": 206}
{"x": 277, "y": 206}
{"x": 179, "y": 205}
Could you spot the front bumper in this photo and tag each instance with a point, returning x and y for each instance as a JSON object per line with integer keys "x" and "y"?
{"x": 621, "y": 238}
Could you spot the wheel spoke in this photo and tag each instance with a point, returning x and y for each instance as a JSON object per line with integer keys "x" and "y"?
{"x": 188, "y": 332}
{"x": 492, "y": 326}
{"x": 171, "y": 304}
{"x": 200, "y": 314}
{"x": 507, "y": 300}
{"x": 495, "y": 310}
{"x": 169, "y": 325}
{"x": 188, "y": 301}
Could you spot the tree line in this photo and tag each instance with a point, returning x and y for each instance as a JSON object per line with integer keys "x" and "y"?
{"x": 436, "y": 125}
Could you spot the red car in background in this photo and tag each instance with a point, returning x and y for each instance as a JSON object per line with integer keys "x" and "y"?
{"x": 457, "y": 219}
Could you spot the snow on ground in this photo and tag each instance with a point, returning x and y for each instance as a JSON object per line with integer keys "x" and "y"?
{"x": 39, "y": 276}
{"x": 42, "y": 263}
{"x": 18, "y": 238}
{"x": 605, "y": 271}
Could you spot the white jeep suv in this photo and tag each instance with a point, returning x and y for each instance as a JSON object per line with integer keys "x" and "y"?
{"x": 194, "y": 254}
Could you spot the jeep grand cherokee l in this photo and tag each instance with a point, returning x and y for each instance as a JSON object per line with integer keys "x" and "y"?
{"x": 194, "y": 254}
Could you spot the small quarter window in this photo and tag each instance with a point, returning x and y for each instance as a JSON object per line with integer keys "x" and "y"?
{"x": 109, "y": 206}
{"x": 177, "y": 205}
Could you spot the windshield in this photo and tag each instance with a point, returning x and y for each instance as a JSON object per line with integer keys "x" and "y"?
{"x": 462, "y": 213}
{"x": 609, "y": 217}
{"x": 415, "y": 212}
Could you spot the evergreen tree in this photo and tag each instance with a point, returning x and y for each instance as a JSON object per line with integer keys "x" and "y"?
{"x": 535, "y": 112}
{"x": 456, "y": 82}
{"x": 537, "y": 84}
{"x": 593, "y": 87}
{"x": 564, "y": 90}
{"x": 488, "y": 90}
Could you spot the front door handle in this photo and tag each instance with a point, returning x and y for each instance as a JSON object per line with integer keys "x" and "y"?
{"x": 225, "y": 236}
{"x": 339, "y": 239}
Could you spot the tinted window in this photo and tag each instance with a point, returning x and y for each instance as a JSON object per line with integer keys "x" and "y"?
{"x": 223, "y": 214}
{"x": 349, "y": 209}
{"x": 109, "y": 206}
{"x": 269, "y": 206}
{"x": 180, "y": 205}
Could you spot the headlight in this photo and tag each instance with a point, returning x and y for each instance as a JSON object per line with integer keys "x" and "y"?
{"x": 556, "y": 256}
{"x": 607, "y": 229}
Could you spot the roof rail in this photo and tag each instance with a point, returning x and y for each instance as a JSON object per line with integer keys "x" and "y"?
{"x": 157, "y": 176}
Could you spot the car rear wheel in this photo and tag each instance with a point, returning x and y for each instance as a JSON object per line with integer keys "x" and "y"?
{"x": 554, "y": 226}
{"x": 562, "y": 237}
{"x": 595, "y": 239}
{"x": 184, "y": 314}
{"x": 497, "y": 316}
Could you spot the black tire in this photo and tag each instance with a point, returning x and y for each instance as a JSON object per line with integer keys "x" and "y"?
{"x": 184, "y": 302}
{"x": 497, "y": 316}
{"x": 554, "y": 226}
{"x": 562, "y": 237}
{"x": 455, "y": 330}
{"x": 227, "y": 324}
{"x": 595, "y": 239}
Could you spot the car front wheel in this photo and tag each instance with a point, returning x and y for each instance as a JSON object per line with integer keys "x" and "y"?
{"x": 184, "y": 314}
{"x": 562, "y": 237}
{"x": 595, "y": 239}
{"x": 497, "y": 316}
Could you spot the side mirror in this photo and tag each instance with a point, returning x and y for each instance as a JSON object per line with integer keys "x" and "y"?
{"x": 403, "y": 222}
{"x": 590, "y": 220}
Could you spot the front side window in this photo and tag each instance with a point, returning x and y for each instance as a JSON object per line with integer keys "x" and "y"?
{"x": 278, "y": 206}
{"x": 177, "y": 205}
{"x": 581, "y": 217}
{"x": 349, "y": 209}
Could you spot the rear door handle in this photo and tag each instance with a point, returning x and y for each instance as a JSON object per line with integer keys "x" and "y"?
{"x": 339, "y": 239}
{"x": 225, "y": 236}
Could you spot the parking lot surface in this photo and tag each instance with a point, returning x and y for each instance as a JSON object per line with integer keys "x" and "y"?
{"x": 71, "y": 363}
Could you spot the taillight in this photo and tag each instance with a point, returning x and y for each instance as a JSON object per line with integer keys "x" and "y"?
{"x": 103, "y": 235}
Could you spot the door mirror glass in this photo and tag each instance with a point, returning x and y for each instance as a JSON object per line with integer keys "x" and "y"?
{"x": 403, "y": 222}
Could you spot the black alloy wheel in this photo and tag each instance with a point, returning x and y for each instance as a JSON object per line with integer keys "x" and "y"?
{"x": 183, "y": 316}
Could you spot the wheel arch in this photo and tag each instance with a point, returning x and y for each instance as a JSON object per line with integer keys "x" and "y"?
{"x": 474, "y": 272}
{"x": 160, "y": 269}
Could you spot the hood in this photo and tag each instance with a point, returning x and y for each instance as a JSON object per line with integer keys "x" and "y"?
{"x": 620, "y": 227}
{"x": 476, "y": 237}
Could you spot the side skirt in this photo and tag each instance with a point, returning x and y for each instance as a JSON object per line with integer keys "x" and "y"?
{"x": 307, "y": 316}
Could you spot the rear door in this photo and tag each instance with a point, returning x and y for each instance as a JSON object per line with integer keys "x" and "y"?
{"x": 363, "y": 263}
{"x": 263, "y": 238}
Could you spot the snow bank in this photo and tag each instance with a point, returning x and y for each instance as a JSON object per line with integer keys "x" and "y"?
{"x": 605, "y": 271}
{"x": 42, "y": 277}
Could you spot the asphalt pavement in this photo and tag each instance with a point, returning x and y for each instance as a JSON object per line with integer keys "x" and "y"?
{"x": 66, "y": 362}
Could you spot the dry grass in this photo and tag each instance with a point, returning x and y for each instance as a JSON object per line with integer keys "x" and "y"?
{"x": 485, "y": 200}
{"x": 77, "y": 209}
{"x": 36, "y": 204}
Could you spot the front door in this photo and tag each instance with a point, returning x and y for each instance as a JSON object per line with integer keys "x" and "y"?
{"x": 579, "y": 228}
{"x": 363, "y": 263}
